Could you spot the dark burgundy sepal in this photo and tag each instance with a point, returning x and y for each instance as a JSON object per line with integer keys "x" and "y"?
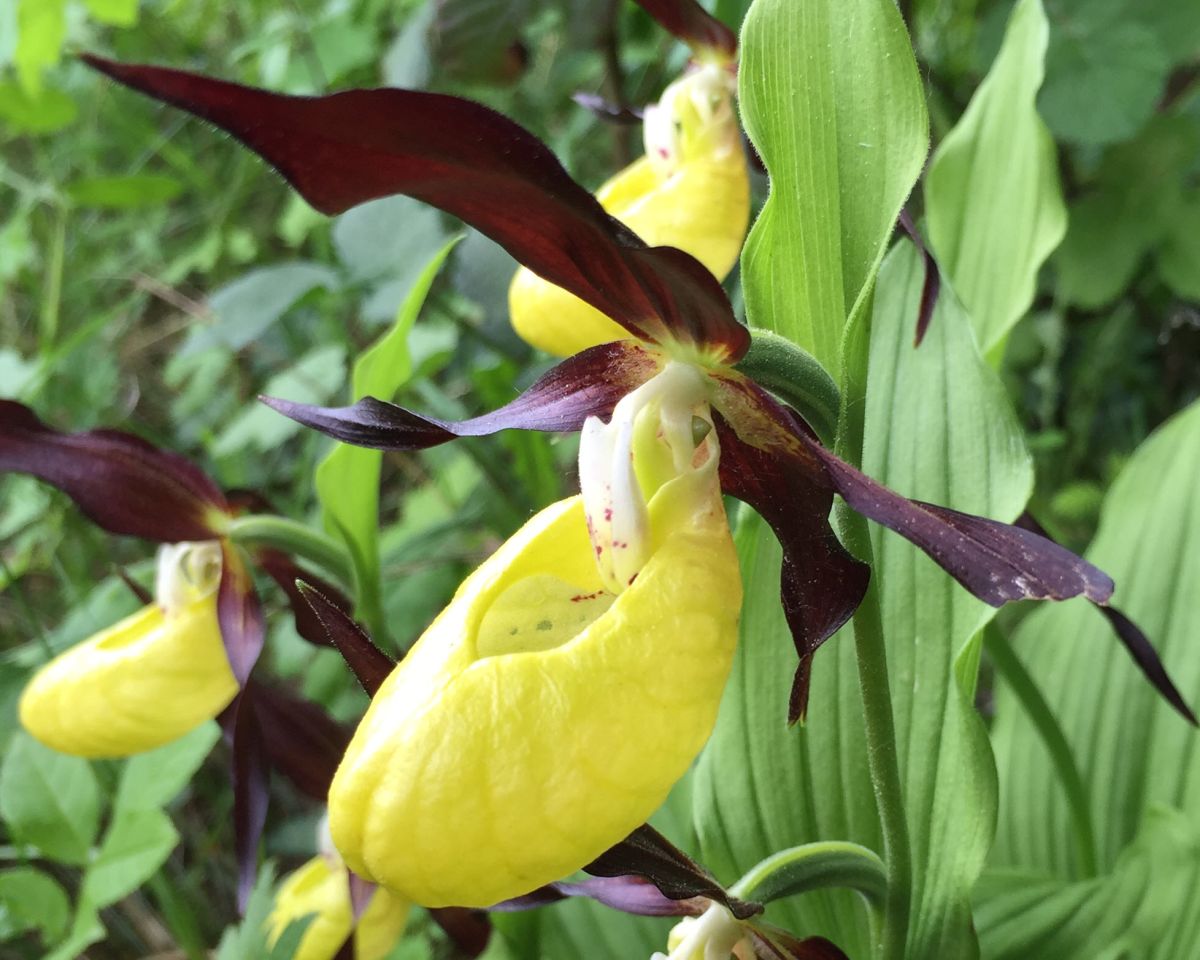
{"x": 635, "y": 895}
{"x": 587, "y": 384}
{"x": 775, "y": 944}
{"x": 469, "y": 930}
{"x": 647, "y": 853}
{"x": 346, "y": 950}
{"x": 300, "y": 739}
{"x": 346, "y": 148}
{"x": 285, "y": 571}
{"x": 239, "y": 614}
{"x": 367, "y": 662}
{"x": 1147, "y": 659}
{"x": 122, "y": 483}
{"x": 821, "y": 584}
{"x": 932, "y": 287}
{"x": 250, "y": 797}
{"x": 692, "y": 24}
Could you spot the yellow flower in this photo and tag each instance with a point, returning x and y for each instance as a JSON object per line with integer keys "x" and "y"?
{"x": 321, "y": 889}
{"x": 144, "y": 681}
{"x": 549, "y": 709}
{"x": 690, "y": 190}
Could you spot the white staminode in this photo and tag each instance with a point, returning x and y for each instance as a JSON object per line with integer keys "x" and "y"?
{"x": 186, "y": 572}
{"x": 612, "y": 496}
{"x": 714, "y": 935}
{"x": 711, "y": 90}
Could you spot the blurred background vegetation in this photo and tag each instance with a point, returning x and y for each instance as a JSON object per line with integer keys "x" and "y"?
{"x": 154, "y": 279}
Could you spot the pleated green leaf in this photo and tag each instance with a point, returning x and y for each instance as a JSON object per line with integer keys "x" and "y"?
{"x": 832, "y": 99}
{"x": 938, "y": 427}
{"x": 1132, "y": 750}
{"x": 992, "y": 197}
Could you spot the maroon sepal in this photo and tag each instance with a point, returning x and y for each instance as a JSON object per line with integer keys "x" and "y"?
{"x": 772, "y": 943}
{"x": 346, "y": 950}
{"x": 932, "y": 287}
{"x": 647, "y": 853}
{"x": 239, "y": 614}
{"x": 285, "y": 571}
{"x": 617, "y": 113}
{"x": 821, "y": 584}
{"x": 123, "y": 484}
{"x": 144, "y": 596}
{"x": 469, "y": 930}
{"x": 366, "y": 661}
{"x": 249, "y": 763}
{"x": 300, "y": 739}
{"x": 587, "y": 384}
{"x": 346, "y": 148}
{"x": 635, "y": 895}
{"x": 692, "y": 24}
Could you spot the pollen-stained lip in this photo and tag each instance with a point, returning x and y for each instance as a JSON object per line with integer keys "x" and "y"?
{"x": 123, "y": 484}
{"x": 346, "y": 148}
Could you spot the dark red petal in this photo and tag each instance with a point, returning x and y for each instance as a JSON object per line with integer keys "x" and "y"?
{"x": 587, "y": 384}
{"x": 647, "y": 853}
{"x": 346, "y": 950}
{"x": 469, "y": 930}
{"x": 144, "y": 596}
{"x": 932, "y": 286}
{"x": 1146, "y": 657}
{"x": 300, "y": 739}
{"x": 692, "y": 24}
{"x": 368, "y": 663}
{"x": 285, "y": 571}
{"x": 239, "y": 614}
{"x": 122, "y": 483}
{"x": 346, "y": 148}
{"x": 248, "y": 755}
{"x": 634, "y": 895}
{"x": 821, "y": 583}
{"x": 783, "y": 946}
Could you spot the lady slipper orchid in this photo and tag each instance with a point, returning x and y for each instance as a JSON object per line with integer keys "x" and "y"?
{"x": 346, "y": 148}
{"x": 145, "y": 681}
{"x": 691, "y": 190}
{"x": 607, "y": 625}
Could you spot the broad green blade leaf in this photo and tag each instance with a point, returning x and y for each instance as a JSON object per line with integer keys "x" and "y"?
{"x": 124, "y": 193}
{"x": 41, "y": 29}
{"x": 1133, "y": 751}
{"x": 49, "y": 800}
{"x": 137, "y": 843}
{"x": 1025, "y": 916}
{"x": 151, "y": 780}
{"x": 938, "y": 427}
{"x": 1179, "y": 259}
{"x": 120, "y": 13}
{"x": 992, "y": 198}
{"x": 348, "y": 478}
{"x": 30, "y": 900}
{"x": 832, "y": 99}
{"x": 44, "y": 112}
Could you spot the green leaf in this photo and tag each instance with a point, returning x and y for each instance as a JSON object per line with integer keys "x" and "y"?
{"x": 30, "y": 900}
{"x": 46, "y": 111}
{"x": 85, "y": 930}
{"x": 1023, "y": 916}
{"x": 49, "y": 800}
{"x": 248, "y": 939}
{"x": 831, "y": 97}
{"x": 137, "y": 843}
{"x": 1175, "y": 24}
{"x": 1179, "y": 258}
{"x": 119, "y": 13}
{"x": 992, "y": 197}
{"x": 151, "y": 780}
{"x": 41, "y": 28}
{"x": 247, "y": 307}
{"x": 124, "y": 193}
{"x": 762, "y": 787}
{"x": 314, "y": 379}
{"x": 1104, "y": 76}
{"x": 348, "y": 479}
{"x": 1132, "y": 750}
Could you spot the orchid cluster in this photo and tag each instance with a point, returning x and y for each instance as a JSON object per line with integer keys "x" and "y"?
{"x": 576, "y": 674}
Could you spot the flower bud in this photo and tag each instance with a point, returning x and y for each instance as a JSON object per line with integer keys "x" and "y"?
{"x": 541, "y": 718}
{"x": 691, "y": 190}
{"x": 321, "y": 889}
{"x": 145, "y": 681}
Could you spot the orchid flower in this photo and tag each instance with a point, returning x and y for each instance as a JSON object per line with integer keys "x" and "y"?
{"x": 690, "y": 190}
{"x": 321, "y": 889}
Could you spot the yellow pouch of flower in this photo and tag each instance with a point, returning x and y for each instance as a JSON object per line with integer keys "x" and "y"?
{"x": 540, "y": 719}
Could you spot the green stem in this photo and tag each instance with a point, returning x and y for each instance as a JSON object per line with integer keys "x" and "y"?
{"x": 265, "y": 530}
{"x": 797, "y": 378}
{"x": 812, "y": 866}
{"x": 1010, "y": 667}
{"x": 52, "y": 284}
{"x": 180, "y": 919}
